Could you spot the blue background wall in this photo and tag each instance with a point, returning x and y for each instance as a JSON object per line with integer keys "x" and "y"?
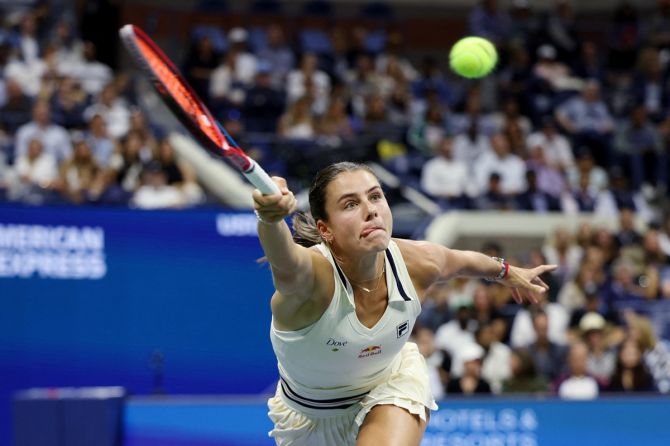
{"x": 184, "y": 283}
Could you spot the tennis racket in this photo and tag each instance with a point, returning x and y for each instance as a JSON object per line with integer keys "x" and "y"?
{"x": 187, "y": 106}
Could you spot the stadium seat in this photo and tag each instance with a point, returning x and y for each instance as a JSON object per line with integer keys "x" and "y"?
{"x": 318, "y": 8}
{"x": 215, "y": 6}
{"x": 258, "y": 39}
{"x": 216, "y": 35}
{"x": 377, "y": 10}
{"x": 375, "y": 41}
{"x": 266, "y": 7}
{"x": 315, "y": 41}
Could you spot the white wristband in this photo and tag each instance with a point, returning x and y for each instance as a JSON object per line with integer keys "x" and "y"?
{"x": 260, "y": 219}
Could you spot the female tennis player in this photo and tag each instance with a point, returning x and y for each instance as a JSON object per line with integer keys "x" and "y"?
{"x": 347, "y": 296}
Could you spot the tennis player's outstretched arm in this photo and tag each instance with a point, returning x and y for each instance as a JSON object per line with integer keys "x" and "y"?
{"x": 300, "y": 274}
{"x": 428, "y": 263}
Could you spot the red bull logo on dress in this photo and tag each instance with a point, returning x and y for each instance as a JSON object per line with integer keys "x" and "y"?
{"x": 370, "y": 351}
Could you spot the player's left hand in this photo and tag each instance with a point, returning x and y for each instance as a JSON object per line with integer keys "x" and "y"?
{"x": 526, "y": 282}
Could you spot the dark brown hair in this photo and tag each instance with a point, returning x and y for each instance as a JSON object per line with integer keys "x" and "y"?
{"x": 304, "y": 224}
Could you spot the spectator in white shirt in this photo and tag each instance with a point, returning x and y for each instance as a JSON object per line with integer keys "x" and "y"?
{"x": 113, "y": 110}
{"x": 28, "y": 45}
{"x": 55, "y": 138}
{"x": 308, "y": 79}
{"x": 523, "y": 333}
{"x": 245, "y": 62}
{"x": 553, "y": 71}
{"x": 500, "y": 160}
{"x": 578, "y": 385}
{"x": 35, "y": 173}
{"x": 554, "y": 146}
{"x": 91, "y": 74}
{"x": 444, "y": 177}
{"x": 155, "y": 193}
{"x": 470, "y": 146}
{"x": 69, "y": 47}
{"x": 495, "y": 361}
{"x": 224, "y": 89}
{"x": 561, "y": 248}
{"x": 453, "y": 335}
{"x": 297, "y": 122}
{"x": 27, "y": 73}
{"x": 596, "y": 176}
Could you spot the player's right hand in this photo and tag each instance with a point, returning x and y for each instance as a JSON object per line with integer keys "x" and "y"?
{"x": 274, "y": 208}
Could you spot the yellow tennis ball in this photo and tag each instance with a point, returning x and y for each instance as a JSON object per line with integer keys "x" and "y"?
{"x": 473, "y": 57}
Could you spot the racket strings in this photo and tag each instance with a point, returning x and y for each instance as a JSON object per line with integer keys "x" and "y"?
{"x": 179, "y": 92}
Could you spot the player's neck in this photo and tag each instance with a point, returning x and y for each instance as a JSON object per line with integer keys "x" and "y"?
{"x": 364, "y": 272}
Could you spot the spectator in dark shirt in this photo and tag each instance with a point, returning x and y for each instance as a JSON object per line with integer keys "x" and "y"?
{"x": 264, "y": 104}
{"x": 201, "y": 60}
{"x": 639, "y": 149}
{"x": 68, "y": 104}
{"x": 18, "y": 108}
{"x": 534, "y": 199}
{"x": 485, "y": 313}
{"x": 631, "y": 374}
{"x": 548, "y": 357}
{"x": 623, "y": 287}
{"x": 624, "y": 38}
{"x": 590, "y": 64}
{"x": 488, "y": 21}
{"x": 525, "y": 378}
{"x": 627, "y": 234}
{"x": 561, "y": 30}
{"x": 649, "y": 83}
{"x": 278, "y": 55}
{"x": 493, "y": 198}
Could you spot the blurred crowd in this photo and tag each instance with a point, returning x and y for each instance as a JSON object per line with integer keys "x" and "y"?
{"x": 565, "y": 123}
{"x": 599, "y": 329}
{"x": 71, "y": 131}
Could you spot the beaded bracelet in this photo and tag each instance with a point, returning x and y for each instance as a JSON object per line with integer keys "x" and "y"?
{"x": 504, "y": 269}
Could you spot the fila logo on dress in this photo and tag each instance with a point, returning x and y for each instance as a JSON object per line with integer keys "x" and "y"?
{"x": 402, "y": 329}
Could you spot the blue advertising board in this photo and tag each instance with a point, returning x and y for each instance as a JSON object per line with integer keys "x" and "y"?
{"x": 460, "y": 422}
{"x": 154, "y": 301}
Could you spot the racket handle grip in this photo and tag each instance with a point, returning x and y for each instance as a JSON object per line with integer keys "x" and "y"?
{"x": 260, "y": 179}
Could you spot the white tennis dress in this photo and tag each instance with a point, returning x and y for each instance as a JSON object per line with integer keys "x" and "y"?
{"x": 335, "y": 371}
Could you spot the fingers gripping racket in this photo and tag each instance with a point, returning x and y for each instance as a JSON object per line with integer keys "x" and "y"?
{"x": 187, "y": 106}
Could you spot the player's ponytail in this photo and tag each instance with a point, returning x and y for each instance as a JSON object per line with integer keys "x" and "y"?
{"x": 305, "y": 232}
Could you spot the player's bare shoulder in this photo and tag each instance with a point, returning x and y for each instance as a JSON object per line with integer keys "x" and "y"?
{"x": 423, "y": 260}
